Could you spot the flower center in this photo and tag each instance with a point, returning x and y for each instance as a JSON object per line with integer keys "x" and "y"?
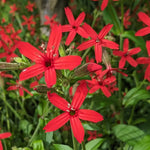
{"x": 97, "y": 40}
{"x": 72, "y": 112}
{"x": 74, "y": 27}
{"x": 48, "y": 63}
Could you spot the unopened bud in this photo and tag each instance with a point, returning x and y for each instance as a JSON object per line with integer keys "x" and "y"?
{"x": 105, "y": 57}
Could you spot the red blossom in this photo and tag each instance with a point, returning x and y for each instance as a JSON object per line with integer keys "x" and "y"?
{"x": 48, "y": 61}
{"x": 28, "y": 21}
{"x": 126, "y": 18}
{"x": 50, "y": 21}
{"x": 74, "y": 26}
{"x": 3, "y": 74}
{"x": 146, "y": 20}
{"x": 126, "y": 54}
{"x": 98, "y": 41}
{"x": 30, "y": 6}
{"x": 9, "y": 52}
{"x": 93, "y": 135}
{"x": 13, "y": 9}
{"x": 101, "y": 81}
{"x": 72, "y": 112}
{"x": 18, "y": 86}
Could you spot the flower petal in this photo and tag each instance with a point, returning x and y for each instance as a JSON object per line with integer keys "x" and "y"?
{"x": 31, "y": 72}
{"x": 82, "y": 32}
{"x": 105, "y": 91}
{"x": 122, "y": 62}
{"x": 57, "y": 122}
{"x": 21, "y": 93}
{"x": 77, "y": 129}
{"x": 69, "y": 15}
{"x": 79, "y": 95}
{"x": 143, "y": 60}
{"x": 66, "y": 28}
{"x": 90, "y": 115}
{"x": 104, "y": 4}
{"x": 67, "y": 62}
{"x": 54, "y": 39}
{"x": 50, "y": 77}
{"x": 147, "y": 73}
{"x": 143, "y": 31}
{"x": 134, "y": 51}
{"x": 29, "y": 51}
{"x": 110, "y": 44}
{"x": 86, "y": 44}
{"x": 58, "y": 101}
{"x": 90, "y": 31}
{"x": 70, "y": 37}
{"x": 94, "y": 89}
{"x": 126, "y": 45}
{"x": 5, "y": 135}
{"x": 80, "y": 19}
{"x": 105, "y": 31}
{"x": 131, "y": 61}
{"x": 13, "y": 87}
{"x": 144, "y": 18}
{"x": 98, "y": 53}
{"x": 1, "y": 146}
{"x": 148, "y": 47}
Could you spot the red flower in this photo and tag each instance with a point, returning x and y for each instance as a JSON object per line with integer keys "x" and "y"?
{"x": 30, "y": 6}
{"x": 101, "y": 83}
{"x": 93, "y": 135}
{"x": 74, "y": 26}
{"x": 28, "y": 21}
{"x": 3, "y": 136}
{"x": 145, "y": 60}
{"x": 145, "y": 19}
{"x": 50, "y": 21}
{"x": 49, "y": 61}
{"x": 126, "y": 18}
{"x": 98, "y": 41}
{"x": 18, "y": 86}
{"x": 104, "y": 4}
{"x": 13, "y": 9}
{"x": 72, "y": 112}
{"x": 9, "y": 52}
{"x": 126, "y": 54}
{"x": 3, "y": 74}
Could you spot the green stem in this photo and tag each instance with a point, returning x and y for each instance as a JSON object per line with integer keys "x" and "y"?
{"x": 34, "y": 134}
{"x": 74, "y": 142}
{"x": 131, "y": 116}
{"x": 85, "y": 53}
{"x": 83, "y": 145}
{"x": 11, "y": 108}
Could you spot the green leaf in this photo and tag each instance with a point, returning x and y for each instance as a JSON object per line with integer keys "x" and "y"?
{"x": 25, "y": 126}
{"x": 127, "y": 133}
{"x": 139, "y": 41}
{"x": 110, "y": 16}
{"x": 94, "y": 144}
{"x": 144, "y": 144}
{"x": 49, "y": 137}
{"x": 135, "y": 95}
{"x": 38, "y": 145}
{"x": 62, "y": 147}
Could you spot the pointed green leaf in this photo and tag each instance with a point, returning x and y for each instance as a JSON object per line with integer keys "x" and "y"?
{"x": 110, "y": 16}
{"x": 144, "y": 144}
{"x": 94, "y": 144}
{"x": 62, "y": 147}
{"x": 135, "y": 95}
{"x": 128, "y": 134}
